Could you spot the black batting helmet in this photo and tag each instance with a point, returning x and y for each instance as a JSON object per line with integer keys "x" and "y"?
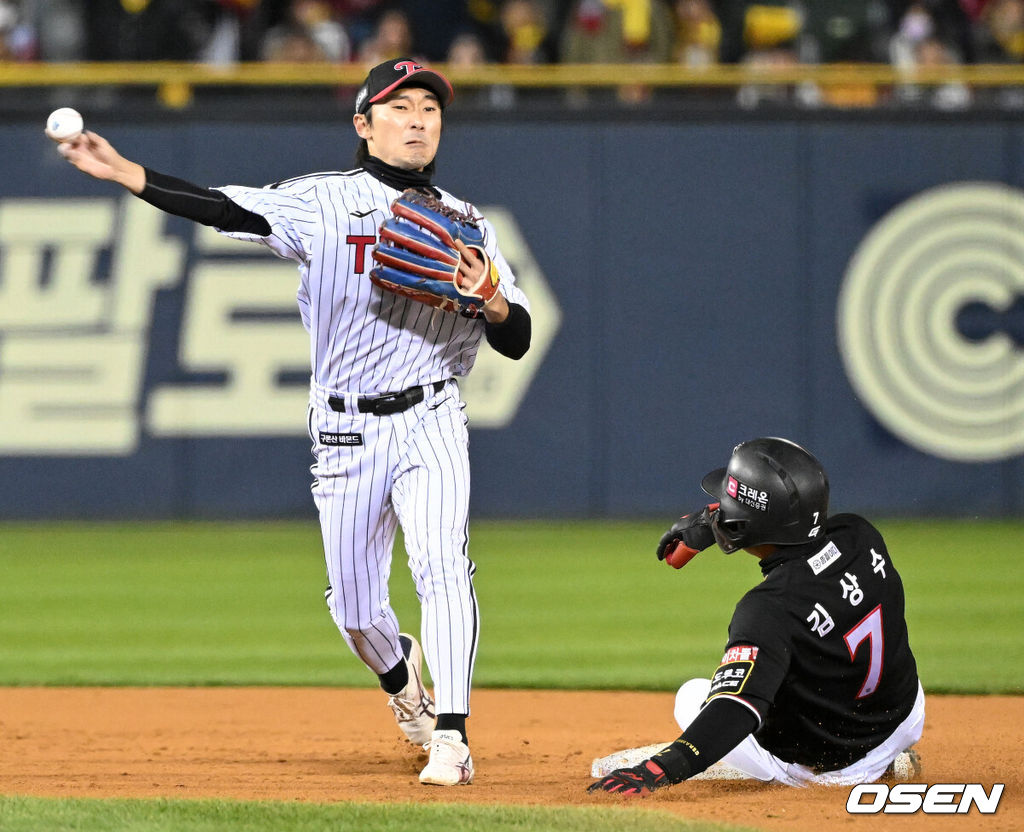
{"x": 773, "y": 491}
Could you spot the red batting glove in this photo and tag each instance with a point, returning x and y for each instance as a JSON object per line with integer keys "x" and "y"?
{"x": 638, "y": 781}
{"x": 688, "y": 536}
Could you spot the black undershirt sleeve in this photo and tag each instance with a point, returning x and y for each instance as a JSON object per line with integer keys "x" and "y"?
{"x": 511, "y": 337}
{"x": 720, "y": 726}
{"x": 203, "y": 205}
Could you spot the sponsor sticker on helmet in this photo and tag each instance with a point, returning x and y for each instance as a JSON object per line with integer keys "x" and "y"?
{"x": 749, "y": 496}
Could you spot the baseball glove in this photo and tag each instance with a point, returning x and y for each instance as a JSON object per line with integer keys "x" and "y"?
{"x": 419, "y": 255}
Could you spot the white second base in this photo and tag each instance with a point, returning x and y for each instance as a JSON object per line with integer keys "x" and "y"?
{"x": 628, "y": 757}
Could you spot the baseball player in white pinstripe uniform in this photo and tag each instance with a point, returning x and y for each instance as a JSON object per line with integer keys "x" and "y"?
{"x": 385, "y": 415}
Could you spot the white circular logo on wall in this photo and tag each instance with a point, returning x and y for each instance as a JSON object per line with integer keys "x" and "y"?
{"x": 946, "y": 253}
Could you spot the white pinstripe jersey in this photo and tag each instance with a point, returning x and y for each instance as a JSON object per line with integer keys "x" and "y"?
{"x": 362, "y": 339}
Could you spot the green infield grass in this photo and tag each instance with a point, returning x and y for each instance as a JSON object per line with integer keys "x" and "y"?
{"x": 569, "y": 604}
{"x": 22, "y": 814}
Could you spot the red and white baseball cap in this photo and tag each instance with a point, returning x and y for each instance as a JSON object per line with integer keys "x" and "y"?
{"x": 387, "y": 77}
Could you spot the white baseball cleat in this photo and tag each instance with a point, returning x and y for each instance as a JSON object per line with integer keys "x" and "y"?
{"x": 450, "y": 761}
{"x": 412, "y": 705}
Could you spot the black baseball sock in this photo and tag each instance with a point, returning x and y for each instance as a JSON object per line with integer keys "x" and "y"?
{"x": 395, "y": 679}
{"x": 398, "y": 677}
{"x": 452, "y": 722}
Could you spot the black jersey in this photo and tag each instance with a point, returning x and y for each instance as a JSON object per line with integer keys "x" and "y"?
{"x": 819, "y": 649}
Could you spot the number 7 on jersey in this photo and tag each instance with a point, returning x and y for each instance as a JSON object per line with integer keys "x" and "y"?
{"x": 870, "y": 628}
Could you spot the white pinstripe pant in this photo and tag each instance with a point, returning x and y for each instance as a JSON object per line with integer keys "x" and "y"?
{"x": 412, "y": 468}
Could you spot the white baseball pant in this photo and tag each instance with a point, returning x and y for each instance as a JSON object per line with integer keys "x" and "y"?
{"x": 760, "y": 764}
{"x": 410, "y": 468}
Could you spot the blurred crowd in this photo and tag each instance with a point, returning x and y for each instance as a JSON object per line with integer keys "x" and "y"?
{"x": 903, "y": 33}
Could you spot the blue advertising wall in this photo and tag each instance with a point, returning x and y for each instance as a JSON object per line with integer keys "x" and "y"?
{"x": 696, "y": 273}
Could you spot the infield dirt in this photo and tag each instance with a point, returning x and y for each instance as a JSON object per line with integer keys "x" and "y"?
{"x": 530, "y": 747}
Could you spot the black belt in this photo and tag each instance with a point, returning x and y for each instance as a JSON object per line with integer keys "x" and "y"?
{"x": 387, "y": 403}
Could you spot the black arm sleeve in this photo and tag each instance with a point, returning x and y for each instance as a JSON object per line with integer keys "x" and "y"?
{"x": 511, "y": 337}
{"x": 202, "y": 205}
{"x": 717, "y": 730}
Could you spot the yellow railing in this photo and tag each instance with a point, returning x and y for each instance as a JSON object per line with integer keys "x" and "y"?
{"x": 559, "y": 75}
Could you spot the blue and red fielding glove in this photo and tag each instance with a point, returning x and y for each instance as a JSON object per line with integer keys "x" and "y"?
{"x": 637, "y": 781}
{"x": 421, "y": 251}
{"x": 689, "y": 535}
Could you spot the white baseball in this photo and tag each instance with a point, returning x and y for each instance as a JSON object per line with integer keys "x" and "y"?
{"x": 64, "y": 124}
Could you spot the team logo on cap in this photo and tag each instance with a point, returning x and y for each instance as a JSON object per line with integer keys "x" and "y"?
{"x": 408, "y": 67}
